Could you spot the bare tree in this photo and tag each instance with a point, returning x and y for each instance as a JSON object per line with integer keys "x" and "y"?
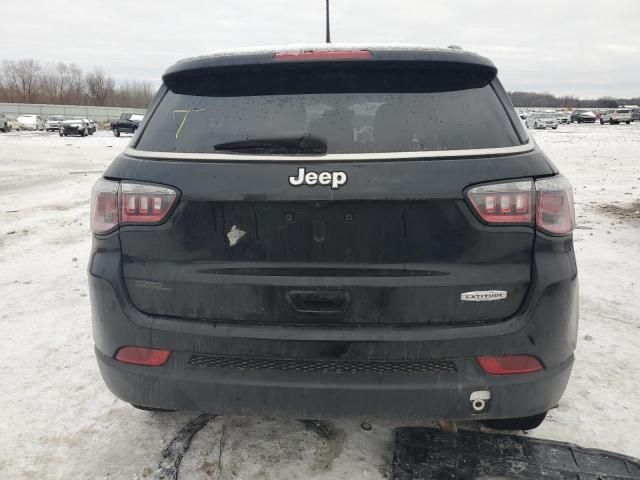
{"x": 100, "y": 86}
{"x": 21, "y": 79}
{"x": 55, "y": 83}
{"x": 76, "y": 88}
{"x": 531, "y": 99}
{"x": 135, "y": 94}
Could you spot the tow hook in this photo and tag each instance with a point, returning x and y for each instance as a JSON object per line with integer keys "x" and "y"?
{"x": 480, "y": 401}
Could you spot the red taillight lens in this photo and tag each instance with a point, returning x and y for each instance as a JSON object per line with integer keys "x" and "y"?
{"x": 126, "y": 203}
{"x": 151, "y": 357}
{"x": 104, "y": 206}
{"x": 555, "y": 212}
{"x": 323, "y": 55}
{"x": 513, "y": 203}
{"x": 144, "y": 203}
{"x": 510, "y": 202}
{"x": 510, "y": 364}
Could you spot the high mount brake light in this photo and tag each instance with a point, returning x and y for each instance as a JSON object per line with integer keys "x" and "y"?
{"x": 115, "y": 204}
{"x": 324, "y": 55}
{"x": 547, "y": 203}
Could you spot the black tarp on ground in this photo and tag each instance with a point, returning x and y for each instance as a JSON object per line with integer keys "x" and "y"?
{"x": 428, "y": 454}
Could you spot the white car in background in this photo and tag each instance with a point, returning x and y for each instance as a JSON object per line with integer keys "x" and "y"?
{"x": 616, "y": 116}
{"x": 635, "y": 111}
{"x": 563, "y": 117}
{"x": 541, "y": 120}
{"x": 53, "y": 123}
{"x": 31, "y": 122}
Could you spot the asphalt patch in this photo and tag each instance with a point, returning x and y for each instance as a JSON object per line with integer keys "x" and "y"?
{"x": 428, "y": 454}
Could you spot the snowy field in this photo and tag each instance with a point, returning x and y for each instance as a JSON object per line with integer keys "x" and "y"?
{"x": 60, "y": 422}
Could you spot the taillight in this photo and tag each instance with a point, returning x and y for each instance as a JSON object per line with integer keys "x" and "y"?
{"x": 555, "y": 213}
{"x": 141, "y": 203}
{"x": 504, "y": 202}
{"x": 546, "y": 202}
{"x": 104, "y": 206}
{"x": 510, "y": 364}
{"x": 151, "y": 357}
{"x": 114, "y": 204}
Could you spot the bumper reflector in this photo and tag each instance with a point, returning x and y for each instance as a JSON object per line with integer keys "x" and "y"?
{"x": 151, "y": 357}
{"x": 510, "y": 364}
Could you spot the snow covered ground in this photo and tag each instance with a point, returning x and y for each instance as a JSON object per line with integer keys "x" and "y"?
{"x": 59, "y": 420}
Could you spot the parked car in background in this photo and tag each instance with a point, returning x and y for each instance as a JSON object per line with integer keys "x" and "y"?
{"x": 563, "y": 117}
{"x": 542, "y": 120}
{"x": 273, "y": 257}
{"x": 13, "y": 123}
{"x": 31, "y": 122}
{"x": 581, "y": 115}
{"x": 5, "y": 126}
{"x": 127, "y": 123}
{"x": 616, "y": 116}
{"x": 92, "y": 125}
{"x": 75, "y": 126}
{"x": 53, "y": 123}
{"x": 635, "y": 112}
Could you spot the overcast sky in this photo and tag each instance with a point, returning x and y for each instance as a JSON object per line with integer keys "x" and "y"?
{"x": 587, "y": 48}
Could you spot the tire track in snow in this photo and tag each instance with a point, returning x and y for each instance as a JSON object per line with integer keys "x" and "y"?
{"x": 174, "y": 452}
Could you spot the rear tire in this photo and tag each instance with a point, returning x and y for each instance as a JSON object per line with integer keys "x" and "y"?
{"x": 116, "y": 132}
{"x": 522, "y": 423}
{"x": 628, "y": 123}
{"x": 152, "y": 409}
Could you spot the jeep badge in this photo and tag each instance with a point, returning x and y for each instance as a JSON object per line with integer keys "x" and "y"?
{"x": 335, "y": 179}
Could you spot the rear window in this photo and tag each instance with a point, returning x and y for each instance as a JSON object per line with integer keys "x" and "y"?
{"x": 353, "y": 111}
{"x": 622, "y": 111}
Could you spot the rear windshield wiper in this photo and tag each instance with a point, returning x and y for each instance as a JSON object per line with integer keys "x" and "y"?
{"x": 283, "y": 145}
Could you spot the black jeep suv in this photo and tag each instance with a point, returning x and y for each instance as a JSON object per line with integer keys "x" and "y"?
{"x": 330, "y": 233}
{"x": 127, "y": 123}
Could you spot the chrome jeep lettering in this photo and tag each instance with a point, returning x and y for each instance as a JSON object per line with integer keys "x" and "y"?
{"x": 334, "y": 179}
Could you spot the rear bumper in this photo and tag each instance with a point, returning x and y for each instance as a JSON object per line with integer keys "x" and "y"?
{"x": 411, "y": 397}
{"x": 545, "y": 326}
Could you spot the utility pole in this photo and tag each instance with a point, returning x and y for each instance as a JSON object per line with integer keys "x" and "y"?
{"x": 328, "y": 38}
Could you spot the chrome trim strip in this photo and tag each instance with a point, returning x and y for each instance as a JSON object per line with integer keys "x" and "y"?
{"x": 333, "y": 157}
